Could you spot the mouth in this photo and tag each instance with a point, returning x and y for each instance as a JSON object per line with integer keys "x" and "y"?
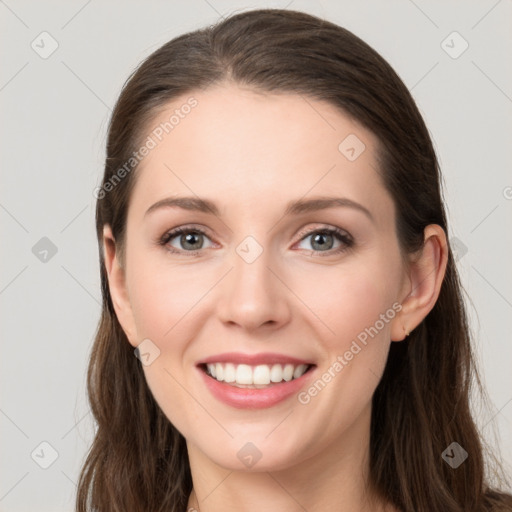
{"x": 254, "y": 382}
{"x": 260, "y": 376}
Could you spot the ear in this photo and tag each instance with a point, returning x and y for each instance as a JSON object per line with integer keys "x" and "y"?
{"x": 426, "y": 274}
{"x": 117, "y": 285}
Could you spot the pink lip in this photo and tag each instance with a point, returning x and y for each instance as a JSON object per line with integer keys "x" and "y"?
{"x": 252, "y": 398}
{"x": 253, "y": 359}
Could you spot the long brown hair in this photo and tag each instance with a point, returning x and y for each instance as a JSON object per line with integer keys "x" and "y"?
{"x": 138, "y": 460}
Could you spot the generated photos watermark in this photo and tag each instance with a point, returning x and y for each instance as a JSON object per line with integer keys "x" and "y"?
{"x": 151, "y": 142}
{"x": 304, "y": 397}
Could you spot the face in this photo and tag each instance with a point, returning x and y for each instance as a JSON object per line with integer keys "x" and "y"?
{"x": 292, "y": 266}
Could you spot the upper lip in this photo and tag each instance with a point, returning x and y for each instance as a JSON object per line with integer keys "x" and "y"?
{"x": 253, "y": 359}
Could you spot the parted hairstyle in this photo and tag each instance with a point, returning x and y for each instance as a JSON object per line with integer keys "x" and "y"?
{"x": 138, "y": 460}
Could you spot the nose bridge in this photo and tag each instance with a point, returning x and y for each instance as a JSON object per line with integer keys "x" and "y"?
{"x": 251, "y": 294}
{"x": 251, "y": 264}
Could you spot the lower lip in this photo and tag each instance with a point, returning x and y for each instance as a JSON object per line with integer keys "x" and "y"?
{"x": 252, "y": 398}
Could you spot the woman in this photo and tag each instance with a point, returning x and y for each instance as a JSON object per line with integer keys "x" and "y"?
{"x": 273, "y": 250}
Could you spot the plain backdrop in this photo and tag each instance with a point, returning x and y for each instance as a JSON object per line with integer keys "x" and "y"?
{"x": 55, "y": 109}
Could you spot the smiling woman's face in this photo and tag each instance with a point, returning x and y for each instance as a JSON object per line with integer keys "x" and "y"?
{"x": 261, "y": 277}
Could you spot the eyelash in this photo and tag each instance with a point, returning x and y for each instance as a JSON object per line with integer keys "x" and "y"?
{"x": 342, "y": 236}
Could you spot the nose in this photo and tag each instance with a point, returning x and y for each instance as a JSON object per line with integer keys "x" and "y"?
{"x": 252, "y": 296}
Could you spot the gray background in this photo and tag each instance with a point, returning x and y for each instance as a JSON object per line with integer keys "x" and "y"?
{"x": 55, "y": 111}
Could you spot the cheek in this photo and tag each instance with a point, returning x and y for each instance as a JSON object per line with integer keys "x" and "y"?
{"x": 357, "y": 306}
{"x": 352, "y": 299}
{"x": 163, "y": 295}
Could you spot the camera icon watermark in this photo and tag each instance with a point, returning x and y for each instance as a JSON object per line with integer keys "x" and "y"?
{"x": 44, "y": 250}
{"x": 44, "y": 455}
{"x": 351, "y": 147}
{"x": 44, "y": 45}
{"x": 146, "y": 352}
{"x": 249, "y": 249}
{"x": 459, "y": 249}
{"x": 454, "y": 45}
{"x": 249, "y": 454}
{"x": 454, "y": 455}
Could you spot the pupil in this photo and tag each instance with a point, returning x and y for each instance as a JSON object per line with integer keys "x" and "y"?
{"x": 320, "y": 237}
{"x": 189, "y": 239}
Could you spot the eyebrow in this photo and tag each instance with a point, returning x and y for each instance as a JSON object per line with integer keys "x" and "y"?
{"x": 293, "y": 207}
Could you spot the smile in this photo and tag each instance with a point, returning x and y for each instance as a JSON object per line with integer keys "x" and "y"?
{"x": 254, "y": 381}
{"x": 244, "y": 375}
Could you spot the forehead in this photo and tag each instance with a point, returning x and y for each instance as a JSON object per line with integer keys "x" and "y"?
{"x": 240, "y": 146}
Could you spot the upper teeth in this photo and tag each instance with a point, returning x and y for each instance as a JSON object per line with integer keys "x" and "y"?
{"x": 257, "y": 375}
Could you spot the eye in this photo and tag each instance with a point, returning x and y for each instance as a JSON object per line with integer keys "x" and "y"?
{"x": 324, "y": 240}
{"x": 184, "y": 239}
{"x": 190, "y": 240}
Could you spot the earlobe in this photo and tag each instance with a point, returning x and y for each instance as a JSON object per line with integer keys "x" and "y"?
{"x": 426, "y": 274}
{"x": 117, "y": 285}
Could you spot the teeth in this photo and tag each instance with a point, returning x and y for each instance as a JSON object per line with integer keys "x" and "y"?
{"x": 288, "y": 372}
{"x": 261, "y": 375}
{"x": 276, "y": 373}
{"x": 219, "y": 372}
{"x": 229, "y": 372}
{"x": 299, "y": 371}
{"x": 243, "y": 374}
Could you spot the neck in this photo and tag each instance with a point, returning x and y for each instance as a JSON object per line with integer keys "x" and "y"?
{"x": 334, "y": 479}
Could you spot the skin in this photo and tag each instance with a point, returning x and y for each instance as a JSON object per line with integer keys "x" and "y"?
{"x": 251, "y": 154}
